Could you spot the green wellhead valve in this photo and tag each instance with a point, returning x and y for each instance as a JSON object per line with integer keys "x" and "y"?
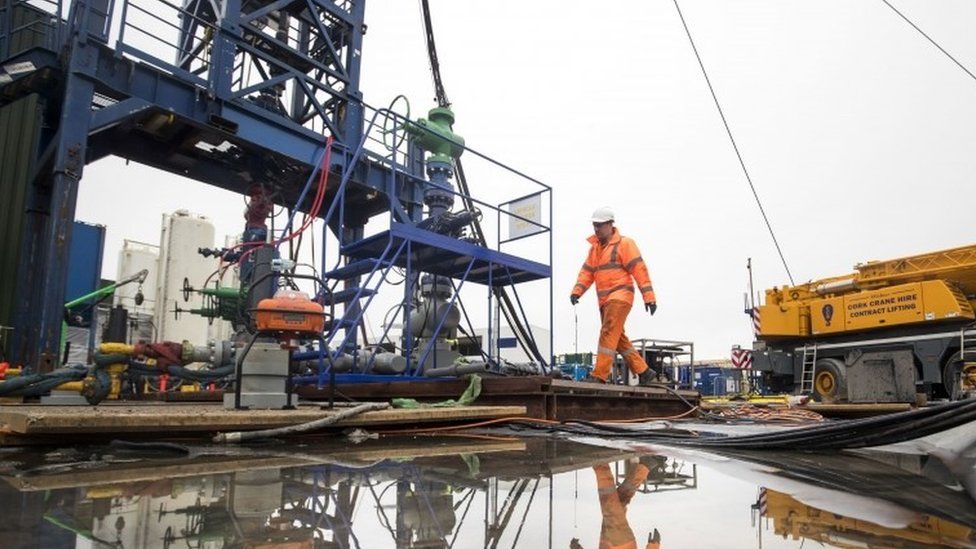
{"x": 439, "y": 138}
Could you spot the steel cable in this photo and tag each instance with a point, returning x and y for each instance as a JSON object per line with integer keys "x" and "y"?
{"x": 929, "y": 38}
{"x": 735, "y": 146}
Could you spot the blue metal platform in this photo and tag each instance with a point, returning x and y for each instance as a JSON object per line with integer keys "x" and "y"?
{"x": 442, "y": 255}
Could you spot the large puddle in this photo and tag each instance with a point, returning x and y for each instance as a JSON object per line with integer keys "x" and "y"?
{"x": 479, "y": 491}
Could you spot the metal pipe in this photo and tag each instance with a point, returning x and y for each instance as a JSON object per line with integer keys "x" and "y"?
{"x": 457, "y": 370}
{"x": 836, "y": 286}
{"x": 383, "y": 362}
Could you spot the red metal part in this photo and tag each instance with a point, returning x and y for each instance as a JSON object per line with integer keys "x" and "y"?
{"x": 259, "y": 207}
{"x": 166, "y": 353}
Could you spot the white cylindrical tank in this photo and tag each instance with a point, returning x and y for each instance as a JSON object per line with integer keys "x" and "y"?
{"x": 183, "y": 233}
{"x": 134, "y": 257}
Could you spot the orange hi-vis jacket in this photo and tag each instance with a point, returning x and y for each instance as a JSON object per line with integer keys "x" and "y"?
{"x": 614, "y": 267}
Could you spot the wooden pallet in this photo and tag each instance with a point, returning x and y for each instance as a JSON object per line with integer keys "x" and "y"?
{"x": 162, "y": 420}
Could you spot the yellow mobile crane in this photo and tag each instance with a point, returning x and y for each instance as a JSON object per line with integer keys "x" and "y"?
{"x": 881, "y": 334}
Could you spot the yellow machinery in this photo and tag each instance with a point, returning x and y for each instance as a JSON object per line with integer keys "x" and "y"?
{"x": 901, "y": 324}
{"x": 796, "y": 520}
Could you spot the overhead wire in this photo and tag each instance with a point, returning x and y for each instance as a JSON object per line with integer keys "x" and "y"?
{"x": 735, "y": 146}
{"x": 440, "y": 95}
{"x": 930, "y": 39}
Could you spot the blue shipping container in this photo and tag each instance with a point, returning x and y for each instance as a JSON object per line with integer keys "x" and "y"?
{"x": 84, "y": 263}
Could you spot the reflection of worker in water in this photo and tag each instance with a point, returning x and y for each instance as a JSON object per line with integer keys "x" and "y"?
{"x": 615, "y": 532}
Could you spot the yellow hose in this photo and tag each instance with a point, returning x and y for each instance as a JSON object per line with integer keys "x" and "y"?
{"x": 70, "y": 386}
{"x": 116, "y": 349}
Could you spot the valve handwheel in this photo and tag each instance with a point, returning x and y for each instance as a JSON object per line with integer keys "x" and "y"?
{"x": 186, "y": 289}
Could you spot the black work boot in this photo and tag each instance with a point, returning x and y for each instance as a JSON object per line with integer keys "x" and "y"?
{"x": 646, "y": 378}
{"x": 593, "y": 379}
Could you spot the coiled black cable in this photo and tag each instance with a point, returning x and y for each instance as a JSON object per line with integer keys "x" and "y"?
{"x": 848, "y": 434}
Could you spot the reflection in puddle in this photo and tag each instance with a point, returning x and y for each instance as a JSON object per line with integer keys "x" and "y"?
{"x": 794, "y": 519}
{"x": 476, "y": 492}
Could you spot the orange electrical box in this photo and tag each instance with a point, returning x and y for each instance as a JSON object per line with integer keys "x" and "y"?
{"x": 290, "y": 312}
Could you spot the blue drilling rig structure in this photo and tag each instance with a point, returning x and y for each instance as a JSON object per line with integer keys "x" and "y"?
{"x": 261, "y": 98}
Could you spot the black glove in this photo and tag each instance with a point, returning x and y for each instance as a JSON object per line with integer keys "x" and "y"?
{"x": 651, "y": 307}
{"x": 574, "y": 299}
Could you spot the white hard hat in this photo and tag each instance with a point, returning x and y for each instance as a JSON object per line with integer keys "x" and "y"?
{"x": 602, "y": 215}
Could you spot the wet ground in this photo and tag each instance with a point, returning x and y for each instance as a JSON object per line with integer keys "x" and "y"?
{"x": 479, "y": 491}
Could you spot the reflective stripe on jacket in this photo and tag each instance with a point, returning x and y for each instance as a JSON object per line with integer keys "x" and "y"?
{"x": 614, "y": 267}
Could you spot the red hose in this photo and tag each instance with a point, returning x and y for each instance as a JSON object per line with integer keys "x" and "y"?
{"x": 316, "y": 203}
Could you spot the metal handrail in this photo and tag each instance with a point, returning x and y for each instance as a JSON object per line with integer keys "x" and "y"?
{"x": 125, "y": 23}
{"x": 545, "y": 189}
{"x": 49, "y": 23}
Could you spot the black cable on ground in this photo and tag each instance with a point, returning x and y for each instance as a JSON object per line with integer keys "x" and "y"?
{"x": 858, "y": 433}
{"x": 688, "y": 403}
{"x": 735, "y": 146}
{"x": 849, "y": 434}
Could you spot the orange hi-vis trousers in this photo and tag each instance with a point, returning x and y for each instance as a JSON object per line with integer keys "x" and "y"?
{"x": 613, "y": 314}
{"x": 615, "y": 532}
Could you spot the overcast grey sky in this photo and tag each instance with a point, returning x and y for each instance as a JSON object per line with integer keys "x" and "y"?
{"x": 860, "y": 137}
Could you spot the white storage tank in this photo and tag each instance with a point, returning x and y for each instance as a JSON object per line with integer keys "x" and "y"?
{"x": 183, "y": 233}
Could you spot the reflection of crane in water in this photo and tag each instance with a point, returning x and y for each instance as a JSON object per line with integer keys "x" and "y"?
{"x": 871, "y": 500}
{"x": 797, "y": 520}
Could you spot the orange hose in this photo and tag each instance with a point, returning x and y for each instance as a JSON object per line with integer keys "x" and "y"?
{"x": 643, "y": 419}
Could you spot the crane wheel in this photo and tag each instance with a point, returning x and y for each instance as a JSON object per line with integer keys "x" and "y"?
{"x": 959, "y": 375}
{"x": 829, "y": 384}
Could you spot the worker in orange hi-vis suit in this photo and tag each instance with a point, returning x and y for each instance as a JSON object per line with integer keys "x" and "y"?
{"x": 615, "y": 531}
{"x": 614, "y": 263}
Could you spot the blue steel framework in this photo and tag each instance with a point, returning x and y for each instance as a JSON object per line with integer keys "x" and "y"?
{"x": 248, "y": 94}
{"x": 416, "y": 250}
